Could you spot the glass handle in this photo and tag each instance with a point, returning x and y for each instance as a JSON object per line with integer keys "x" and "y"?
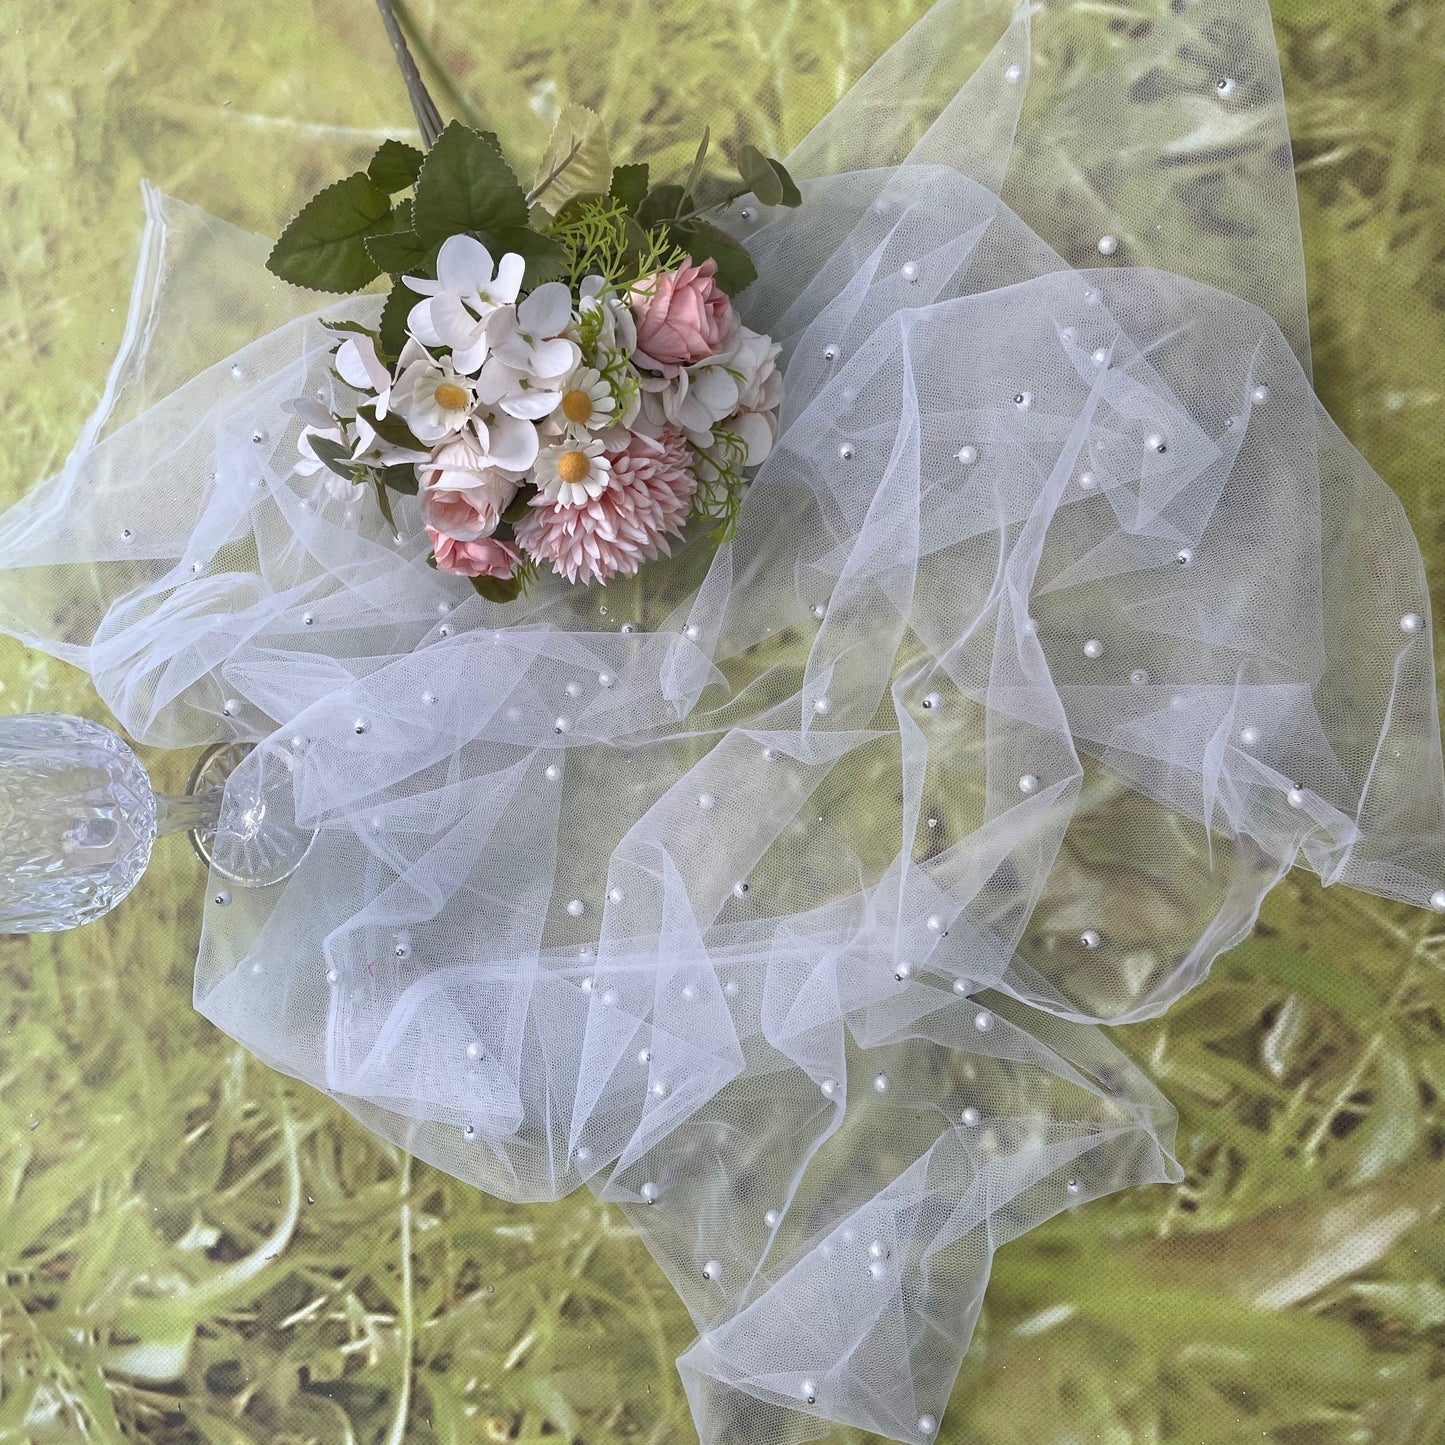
{"x": 194, "y": 812}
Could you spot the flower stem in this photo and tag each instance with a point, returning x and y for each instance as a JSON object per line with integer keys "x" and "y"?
{"x": 428, "y": 117}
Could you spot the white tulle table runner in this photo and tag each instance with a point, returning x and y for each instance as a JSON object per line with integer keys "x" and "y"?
{"x": 777, "y": 896}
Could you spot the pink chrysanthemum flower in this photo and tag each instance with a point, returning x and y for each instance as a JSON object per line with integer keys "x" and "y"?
{"x": 647, "y": 500}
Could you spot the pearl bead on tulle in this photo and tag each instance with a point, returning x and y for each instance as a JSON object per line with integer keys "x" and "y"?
{"x": 1225, "y": 87}
{"x": 910, "y": 271}
{"x": 847, "y": 452}
{"x": 1029, "y": 783}
{"x": 576, "y": 908}
{"x": 983, "y": 1021}
{"x": 1411, "y": 622}
{"x": 649, "y": 1193}
{"x": 970, "y": 1116}
{"x": 927, "y": 1424}
{"x": 771, "y": 1218}
{"x": 1248, "y": 736}
{"x": 1024, "y": 400}
{"x": 1014, "y": 74}
{"x": 967, "y": 455}
{"x": 711, "y": 1270}
{"x": 1093, "y": 648}
{"x": 1089, "y": 938}
{"x": 706, "y": 802}
{"x": 880, "y": 1083}
{"x": 1437, "y": 900}
{"x": 1108, "y": 245}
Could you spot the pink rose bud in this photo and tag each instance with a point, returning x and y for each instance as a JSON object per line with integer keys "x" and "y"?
{"x": 682, "y": 317}
{"x": 482, "y": 557}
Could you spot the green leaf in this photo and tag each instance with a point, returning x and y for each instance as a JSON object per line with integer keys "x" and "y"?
{"x": 575, "y": 161}
{"x": 498, "y": 589}
{"x": 466, "y": 185}
{"x": 336, "y": 456}
{"x": 735, "y": 269}
{"x": 393, "y": 318}
{"x": 661, "y": 203}
{"x": 352, "y": 326}
{"x": 629, "y": 185}
{"x": 696, "y": 172}
{"x": 519, "y": 509}
{"x": 400, "y": 479}
{"x": 383, "y": 501}
{"x": 324, "y": 248}
{"x": 792, "y": 196}
{"x": 391, "y": 428}
{"x": 759, "y": 176}
{"x": 399, "y": 251}
{"x": 545, "y": 257}
{"x": 395, "y": 166}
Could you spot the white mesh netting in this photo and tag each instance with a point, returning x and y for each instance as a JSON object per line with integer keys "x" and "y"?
{"x": 776, "y": 895}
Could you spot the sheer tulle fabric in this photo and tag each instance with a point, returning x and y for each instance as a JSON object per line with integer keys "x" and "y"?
{"x": 775, "y": 896}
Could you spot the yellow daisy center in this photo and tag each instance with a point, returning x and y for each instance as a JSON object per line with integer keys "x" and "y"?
{"x": 451, "y": 397}
{"x": 577, "y": 407}
{"x": 573, "y": 466}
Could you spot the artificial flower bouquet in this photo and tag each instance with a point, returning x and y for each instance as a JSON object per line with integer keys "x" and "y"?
{"x": 558, "y": 375}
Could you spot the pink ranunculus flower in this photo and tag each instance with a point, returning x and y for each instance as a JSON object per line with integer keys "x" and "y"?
{"x": 481, "y": 557}
{"x": 682, "y": 317}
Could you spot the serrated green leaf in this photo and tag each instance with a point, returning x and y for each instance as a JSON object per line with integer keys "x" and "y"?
{"x": 324, "y": 248}
{"x": 383, "y": 501}
{"x": 735, "y": 269}
{"x": 395, "y": 166}
{"x": 661, "y": 203}
{"x": 466, "y": 185}
{"x": 759, "y": 176}
{"x": 336, "y": 456}
{"x": 402, "y": 251}
{"x": 499, "y": 589}
{"x": 546, "y": 259}
{"x": 352, "y": 326}
{"x": 580, "y": 135}
{"x": 394, "y": 317}
{"x": 629, "y": 185}
{"x": 792, "y": 196}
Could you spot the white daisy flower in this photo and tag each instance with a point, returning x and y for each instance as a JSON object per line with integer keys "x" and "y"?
{"x": 572, "y": 473}
{"x": 434, "y": 398}
{"x": 587, "y": 403}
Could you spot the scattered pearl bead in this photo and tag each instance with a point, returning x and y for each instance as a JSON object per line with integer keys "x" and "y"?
{"x": 935, "y": 923}
{"x": 1029, "y": 783}
{"x": 1108, "y": 245}
{"x": 1069, "y": 334}
{"x": 332, "y": 975}
{"x": 1090, "y": 938}
{"x": 1248, "y": 736}
{"x": 222, "y": 898}
{"x": 236, "y": 372}
{"x": 649, "y": 1193}
{"x": 470, "y": 1132}
{"x": 562, "y": 725}
{"x": 359, "y": 726}
{"x": 983, "y": 1021}
{"x": 821, "y": 705}
{"x": 230, "y": 707}
{"x": 609, "y": 998}
{"x": 932, "y": 701}
{"x": 587, "y": 983}
{"x": 126, "y": 534}
{"x": 402, "y": 949}
{"x": 1024, "y": 400}
{"x": 1139, "y": 677}
{"x": 706, "y": 802}
{"x": 830, "y": 1086}
{"x": 197, "y": 566}
{"x": 1225, "y": 86}
{"x": 771, "y": 755}
{"x": 659, "y": 1089}
{"x": 1411, "y": 622}
{"x": 1259, "y": 395}
{"x": 960, "y": 986}
{"x": 1091, "y": 296}
{"x": 1093, "y": 648}
{"x": 880, "y": 1083}
{"x": 730, "y": 988}
{"x": 910, "y": 272}
{"x": 1014, "y": 74}
{"x": 644, "y": 1056}
{"x": 927, "y": 1424}
{"x": 307, "y": 620}
{"x": 747, "y": 213}
{"x": 692, "y": 632}
{"x": 552, "y": 772}
{"x": 1157, "y": 443}
{"x": 846, "y": 451}
{"x": 583, "y": 1154}
{"x": 711, "y": 1270}
{"x": 1437, "y": 900}
{"x": 1295, "y": 798}
{"x": 1100, "y": 357}
{"x": 878, "y": 1250}
{"x": 576, "y": 908}
{"x": 1073, "y": 1186}
{"x": 574, "y": 689}
{"x": 444, "y": 632}
{"x": 615, "y": 894}
{"x": 967, "y": 455}
{"x": 830, "y": 352}
{"x": 970, "y": 1116}
{"x": 1029, "y": 627}
{"x": 689, "y": 992}
{"x": 810, "y": 1392}
{"x": 474, "y": 1050}
{"x": 771, "y": 1218}
{"x": 819, "y": 611}
{"x": 605, "y": 679}
{"x": 628, "y": 628}
{"x": 903, "y": 972}
{"x": 1184, "y": 556}
{"x": 741, "y": 889}
{"x": 877, "y": 1270}
{"x": 258, "y": 437}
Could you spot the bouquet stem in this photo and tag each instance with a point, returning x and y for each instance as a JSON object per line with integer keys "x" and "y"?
{"x": 428, "y": 118}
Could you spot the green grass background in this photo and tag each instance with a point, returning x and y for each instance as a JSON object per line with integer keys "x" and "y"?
{"x": 193, "y": 1249}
